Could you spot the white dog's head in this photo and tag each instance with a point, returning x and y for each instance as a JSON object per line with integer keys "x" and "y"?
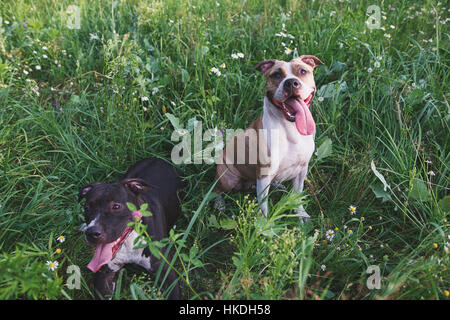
{"x": 289, "y": 82}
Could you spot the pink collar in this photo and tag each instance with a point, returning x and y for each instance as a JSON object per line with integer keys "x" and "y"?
{"x": 125, "y": 234}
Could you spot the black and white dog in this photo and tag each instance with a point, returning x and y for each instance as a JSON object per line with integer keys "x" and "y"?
{"x": 150, "y": 181}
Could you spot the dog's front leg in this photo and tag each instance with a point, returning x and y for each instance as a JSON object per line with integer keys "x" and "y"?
{"x": 262, "y": 190}
{"x": 298, "y": 183}
{"x": 104, "y": 283}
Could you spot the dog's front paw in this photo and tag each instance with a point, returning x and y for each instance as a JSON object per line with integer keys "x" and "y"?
{"x": 219, "y": 204}
{"x": 302, "y": 215}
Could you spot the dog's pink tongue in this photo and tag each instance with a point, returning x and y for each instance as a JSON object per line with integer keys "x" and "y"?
{"x": 102, "y": 255}
{"x": 303, "y": 118}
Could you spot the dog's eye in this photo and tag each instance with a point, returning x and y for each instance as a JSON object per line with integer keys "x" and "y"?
{"x": 276, "y": 75}
{"x": 116, "y": 206}
{"x": 303, "y": 72}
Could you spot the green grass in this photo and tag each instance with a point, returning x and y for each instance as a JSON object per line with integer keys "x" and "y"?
{"x": 382, "y": 97}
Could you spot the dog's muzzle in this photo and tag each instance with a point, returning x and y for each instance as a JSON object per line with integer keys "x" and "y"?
{"x": 105, "y": 252}
{"x": 290, "y": 106}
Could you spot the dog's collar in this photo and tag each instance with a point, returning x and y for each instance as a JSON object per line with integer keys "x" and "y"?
{"x": 119, "y": 242}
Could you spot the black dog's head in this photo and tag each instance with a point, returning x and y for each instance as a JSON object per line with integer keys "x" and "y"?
{"x": 106, "y": 212}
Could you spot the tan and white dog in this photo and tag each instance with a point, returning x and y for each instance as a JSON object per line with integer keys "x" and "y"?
{"x": 283, "y": 135}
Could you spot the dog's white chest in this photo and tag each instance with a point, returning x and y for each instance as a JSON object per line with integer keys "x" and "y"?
{"x": 294, "y": 158}
{"x": 126, "y": 254}
{"x": 290, "y": 151}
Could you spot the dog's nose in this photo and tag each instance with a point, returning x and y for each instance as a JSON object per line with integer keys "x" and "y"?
{"x": 290, "y": 84}
{"x": 93, "y": 233}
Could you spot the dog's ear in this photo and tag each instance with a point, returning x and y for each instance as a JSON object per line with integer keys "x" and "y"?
{"x": 85, "y": 190}
{"x": 265, "y": 65}
{"x": 312, "y": 61}
{"x": 136, "y": 185}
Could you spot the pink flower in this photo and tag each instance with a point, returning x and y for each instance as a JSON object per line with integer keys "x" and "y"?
{"x": 136, "y": 214}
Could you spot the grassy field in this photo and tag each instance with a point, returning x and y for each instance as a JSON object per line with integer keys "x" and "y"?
{"x": 82, "y": 99}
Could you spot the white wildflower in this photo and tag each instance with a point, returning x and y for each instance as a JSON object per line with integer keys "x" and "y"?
{"x": 93, "y": 36}
{"x": 330, "y": 235}
{"x": 52, "y": 265}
